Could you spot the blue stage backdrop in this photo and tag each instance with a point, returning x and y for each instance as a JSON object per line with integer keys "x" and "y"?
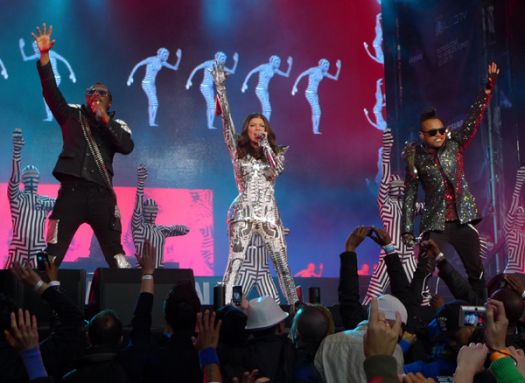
{"x": 328, "y": 185}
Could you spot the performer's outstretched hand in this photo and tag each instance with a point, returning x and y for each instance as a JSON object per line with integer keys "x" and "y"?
{"x": 492, "y": 75}
{"x": 43, "y": 38}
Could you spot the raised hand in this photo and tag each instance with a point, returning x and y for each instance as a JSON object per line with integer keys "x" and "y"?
{"x": 289, "y": 60}
{"x": 244, "y": 88}
{"x": 188, "y": 84}
{"x": 235, "y": 57}
{"x": 497, "y": 323}
{"x": 207, "y": 331}
{"x": 73, "y": 78}
{"x": 24, "y": 331}
{"x": 183, "y": 230}
{"x": 218, "y": 74}
{"x": 130, "y": 81}
{"x": 338, "y": 64}
{"x": 380, "y": 236}
{"x": 43, "y": 38}
{"x": 142, "y": 172}
{"x": 25, "y": 274}
{"x": 51, "y": 271}
{"x": 294, "y": 91}
{"x": 18, "y": 139}
{"x": 492, "y": 75}
{"x": 355, "y": 239}
{"x": 380, "y": 338}
{"x": 179, "y": 53}
{"x": 4, "y": 73}
{"x": 21, "y": 43}
{"x": 147, "y": 259}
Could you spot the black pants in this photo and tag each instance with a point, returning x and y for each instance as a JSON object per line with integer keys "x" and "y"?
{"x": 84, "y": 202}
{"x": 465, "y": 240}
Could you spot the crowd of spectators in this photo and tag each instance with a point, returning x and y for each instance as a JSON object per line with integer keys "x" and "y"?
{"x": 394, "y": 339}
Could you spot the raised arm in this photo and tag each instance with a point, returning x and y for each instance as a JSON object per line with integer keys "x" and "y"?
{"x": 176, "y": 66}
{"x": 54, "y": 98}
{"x": 13, "y": 188}
{"x": 475, "y": 114}
{"x": 296, "y": 83}
{"x": 3, "y": 72}
{"x": 204, "y": 65}
{"x": 388, "y": 143}
{"x": 72, "y": 76}
{"x": 336, "y": 76}
{"x": 244, "y": 87}
{"x": 137, "y": 66}
{"x": 515, "y": 201}
{"x": 287, "y": 73}
{"x": 234, "y": 67}
{"x": 370, "y": 120}
{"x": 22, "y": 45}
{"x": 411, "y": 185}
{"x": 230, "y": 137}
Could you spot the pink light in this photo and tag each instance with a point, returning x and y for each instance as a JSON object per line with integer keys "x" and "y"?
{"x": 189, "y": 207}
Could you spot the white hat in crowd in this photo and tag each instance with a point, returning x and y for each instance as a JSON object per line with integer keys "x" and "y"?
{"x": 264, "y": 312}
{"x": 389, "y": 304}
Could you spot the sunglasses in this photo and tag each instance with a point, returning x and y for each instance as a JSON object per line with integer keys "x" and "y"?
{"x": 433, "y": 132}
{"x": 100, "y": 92}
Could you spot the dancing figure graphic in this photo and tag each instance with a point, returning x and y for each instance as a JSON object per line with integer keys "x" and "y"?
{"x": 3, "y": 71}
{"x": 143, "y": 227}
{"x": 377, "y": 110}
{"x": 153, "y": 66}
{"x": 315, "y": 76}
{"x": 207, "y": 81}
{"x": 53, "y": 58}
{"x": 377, "y": 43}
{"x": 28, "y": 209}
{"x": 266, "y": 72}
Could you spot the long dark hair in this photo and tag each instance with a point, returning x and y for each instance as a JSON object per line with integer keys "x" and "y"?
{"x": 244, "y": 146}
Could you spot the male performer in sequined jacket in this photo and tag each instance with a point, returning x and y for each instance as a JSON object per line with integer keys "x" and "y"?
{"x": 450, "y": 209}
{"x": 86, "y": 194}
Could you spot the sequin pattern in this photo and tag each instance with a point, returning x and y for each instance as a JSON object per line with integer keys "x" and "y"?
{"x": 450, "y": 157}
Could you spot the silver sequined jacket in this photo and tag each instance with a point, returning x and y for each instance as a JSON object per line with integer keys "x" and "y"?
{"x": 255, "y": 178}
{"x": 450, "y": 157}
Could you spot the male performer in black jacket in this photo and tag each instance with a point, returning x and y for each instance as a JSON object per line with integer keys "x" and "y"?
{"x": 91, "y": 137}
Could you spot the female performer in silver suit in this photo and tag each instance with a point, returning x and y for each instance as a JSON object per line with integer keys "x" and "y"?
{"x": 257, "y": 161}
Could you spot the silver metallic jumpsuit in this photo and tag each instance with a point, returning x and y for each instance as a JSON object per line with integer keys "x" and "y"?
{"x": 254, "y": 211}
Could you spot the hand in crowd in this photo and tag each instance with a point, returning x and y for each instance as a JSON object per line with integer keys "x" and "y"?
{"x": 416, "y": 378}
{"x": 251, "y": 377}
{"x": 24, "y": 331}
{"x": 51, "y": 271}
{"x": 437, "y": 301}
{"x": 496, "y": 327}
{"x": 207, "y": 331}
{"x": 25, "y": 274}
{"x": 514, "y": 283}
{"x": 408, "y": 239}
{"x": 355, "y": 239}
{"x": 43, "y": 38}
{"x": 147, "y": 259}
{"x": 380, "y": 236}
{"x": 380, "y": 338}
{"x": 470, "y": 361}
{"x": 519, "y": 357}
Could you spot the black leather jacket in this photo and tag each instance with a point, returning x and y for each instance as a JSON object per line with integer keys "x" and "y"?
{"x": 76, "y": 159}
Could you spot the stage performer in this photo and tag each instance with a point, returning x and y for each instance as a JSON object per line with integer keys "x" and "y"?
{"x": 450, "y": 209}
{"x": 514, "y": 229}
{"x": 390, "y": 203}
{"x": 143, "y": 227}
{"x": 28, "y": 209}
{"x": 257, "y": 161}
{"x": 91, "y": 137}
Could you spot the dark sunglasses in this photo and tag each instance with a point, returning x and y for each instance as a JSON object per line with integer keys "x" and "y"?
{"x": 433, "y": 132}
{"x": 100, "y": 92}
